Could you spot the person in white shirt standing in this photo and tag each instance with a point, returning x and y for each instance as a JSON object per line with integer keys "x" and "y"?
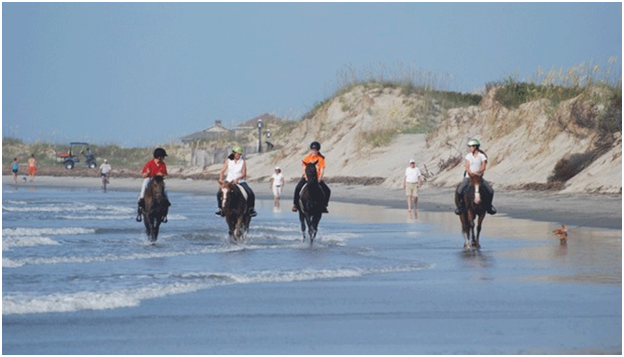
{"x": 411, "y": 183}
{"x": 277, "y": 184}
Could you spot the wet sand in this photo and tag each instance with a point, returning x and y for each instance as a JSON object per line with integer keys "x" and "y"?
{"x": 597, "y": 211}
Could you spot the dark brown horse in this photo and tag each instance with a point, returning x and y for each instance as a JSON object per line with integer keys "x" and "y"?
{"x": 235, "y": 210}
{"x": 156, "y": 207}
{"x": 311, "y": 203}
{"x": 474, "y": 206}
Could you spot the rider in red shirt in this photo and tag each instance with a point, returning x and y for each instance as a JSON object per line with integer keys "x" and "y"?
{"x": 154, "y": 167}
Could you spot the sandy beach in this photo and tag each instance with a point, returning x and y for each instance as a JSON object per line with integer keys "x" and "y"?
{"x": 574, "y": 210}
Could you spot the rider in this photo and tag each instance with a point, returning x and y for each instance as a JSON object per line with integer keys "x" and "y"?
{"x": 154, "y": 167}
{"x": 475, "y": 164}
{"x": 314, "y": 155}
{"x": 105, "y": 169}
{"x": 236, "y": 169}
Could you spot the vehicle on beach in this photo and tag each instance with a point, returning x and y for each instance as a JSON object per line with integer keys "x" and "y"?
{"x": 70, "y": 159}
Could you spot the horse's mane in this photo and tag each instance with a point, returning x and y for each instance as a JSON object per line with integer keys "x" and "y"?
{"x": 312, "y": 194}
{"x": 235, "y": 194}
{"x": 469, "y": 193}
{"x": 155, "y": 196}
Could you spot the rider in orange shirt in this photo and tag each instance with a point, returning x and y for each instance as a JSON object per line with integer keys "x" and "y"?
{"x": 314, "y": 155}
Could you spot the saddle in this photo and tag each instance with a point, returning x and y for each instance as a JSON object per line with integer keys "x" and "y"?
{"x": 243, "y": 191}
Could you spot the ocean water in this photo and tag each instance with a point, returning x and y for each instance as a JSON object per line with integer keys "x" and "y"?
{"x": 73, "y": 250}
{"x": 80, "y": 277}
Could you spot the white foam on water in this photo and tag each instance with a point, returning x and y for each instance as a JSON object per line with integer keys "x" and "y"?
{"x": 26, "y": 241}
{"x": 116, "y": 257}
{"x": 185, "y": 283}
{"x": 46, "y": 231}
{"x": 51, "y": 208}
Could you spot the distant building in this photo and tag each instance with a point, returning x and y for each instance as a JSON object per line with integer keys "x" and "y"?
{"x": 214, "y": 132}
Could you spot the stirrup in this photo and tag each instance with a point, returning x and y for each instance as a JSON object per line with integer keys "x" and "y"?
{"x": 139, "y": 216}
{"x": 491, "y": 210}
{"x": 219, "y": 213}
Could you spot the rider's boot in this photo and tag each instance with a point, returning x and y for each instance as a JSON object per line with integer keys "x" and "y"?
{"x": 294, "y": 208}
{"x": 140, "y": 209}
{"x": 325, "y": 210}
{"x": 252, "y": 212}
{"x": 460, "y": 204}
{"x": 219, "y": 212}
{"x": 491, "y": 209}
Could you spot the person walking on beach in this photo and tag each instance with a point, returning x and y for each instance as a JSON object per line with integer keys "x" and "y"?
{"x": 105, "y": 170}
{"x": 277, "y": 184}
{"x": 32, "y": 167}
{"x": 314, "y": 156}
{"x": 411, "y": 183}
{"x": 236, "y": 169}
{"x": 154, "y": 167}
{"x": 15, "y": 169}
{"x": 475, "y": 163}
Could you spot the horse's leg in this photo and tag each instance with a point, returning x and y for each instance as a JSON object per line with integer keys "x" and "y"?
{"x": 463, "y": 217}
{"x": 148, "y": 223}
{"x": 303, "y": 224}
{"x": 479, "y": 222}
{"x": 157, "y": 222}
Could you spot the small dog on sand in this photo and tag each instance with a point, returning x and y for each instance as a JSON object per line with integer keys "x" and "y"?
{"x": 562, "y": 233}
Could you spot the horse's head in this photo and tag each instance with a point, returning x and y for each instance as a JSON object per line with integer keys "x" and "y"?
{"x": 229, "y": 190}
{"x": 475, "y": 181}
{"x": 310, "y": 171}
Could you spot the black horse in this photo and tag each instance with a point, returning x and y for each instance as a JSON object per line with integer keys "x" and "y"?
{"x": 156, "y": 207}
{"x": 311, "y": 203}
{"x": 235, "y": 210}
{"x": 474, "y": 206}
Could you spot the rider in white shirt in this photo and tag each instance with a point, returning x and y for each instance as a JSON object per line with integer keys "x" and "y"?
{"x": 236, "y": 169}
{"x": 475, "y": 163}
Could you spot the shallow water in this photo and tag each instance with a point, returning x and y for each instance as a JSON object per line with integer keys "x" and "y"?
{"x": 67, "y": 253}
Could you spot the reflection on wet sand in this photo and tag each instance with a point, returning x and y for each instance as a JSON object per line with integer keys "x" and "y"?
{"x": 590, "y": 255}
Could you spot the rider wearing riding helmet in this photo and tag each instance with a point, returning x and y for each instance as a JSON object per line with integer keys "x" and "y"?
{"x": 314, "y": 155}
{"x": 475, "y": 164}
{"x": 236, "y": 169}
{"x": 154, "y": 167}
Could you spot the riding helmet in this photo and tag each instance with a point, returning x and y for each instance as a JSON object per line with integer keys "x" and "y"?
{"x": 237, "y": 149}
{"x": 315, "y": 145}
{"x": 160, "y": 152}
{"x": 473, "y": 142}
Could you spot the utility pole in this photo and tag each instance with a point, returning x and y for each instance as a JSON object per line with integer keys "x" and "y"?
{"x": 259, "y": 135}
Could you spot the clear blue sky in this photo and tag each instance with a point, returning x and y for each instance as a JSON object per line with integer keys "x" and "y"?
{"x": 140, "y": 74}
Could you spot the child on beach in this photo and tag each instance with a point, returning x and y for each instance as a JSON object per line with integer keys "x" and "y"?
{"x": 32, "y": 167}
{"x": 277, "y": 184}
{"x": 15, "y": 169}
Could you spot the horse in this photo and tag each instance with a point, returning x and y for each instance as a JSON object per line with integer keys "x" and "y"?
{"x": 311, "y": 203}
{"x": 474, "y": 207}
{"x": 156, "y": 207}
{"x": 235, "y": 210}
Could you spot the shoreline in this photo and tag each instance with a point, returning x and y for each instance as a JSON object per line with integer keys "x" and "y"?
{"x": 578, "y": 210}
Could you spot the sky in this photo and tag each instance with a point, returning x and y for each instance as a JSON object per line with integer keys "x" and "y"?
{"x": 144, "y": 74}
